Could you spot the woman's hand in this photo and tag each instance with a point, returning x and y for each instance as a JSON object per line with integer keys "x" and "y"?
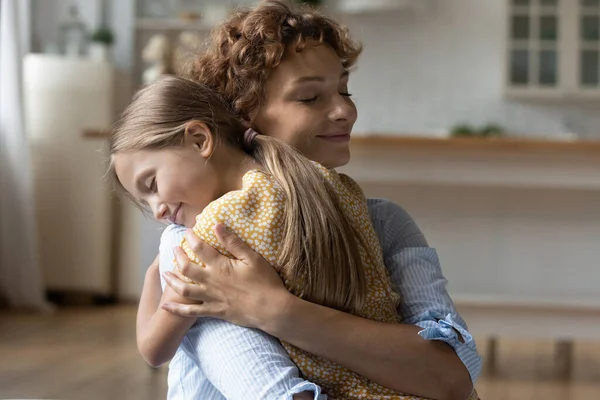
{"x": 246, "y": 290}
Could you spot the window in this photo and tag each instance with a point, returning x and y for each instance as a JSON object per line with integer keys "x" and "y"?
{"x": 553, "y": 49}
{"x": 589, "y": 43}
{"x": 534, "y": 38}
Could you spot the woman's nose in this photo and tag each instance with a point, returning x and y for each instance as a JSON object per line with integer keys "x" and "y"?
{"x": 342, "y": 109}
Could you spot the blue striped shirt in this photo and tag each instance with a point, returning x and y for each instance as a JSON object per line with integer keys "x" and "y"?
{"x": 220, "y": 360}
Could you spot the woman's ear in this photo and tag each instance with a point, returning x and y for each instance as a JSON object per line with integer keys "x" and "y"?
{"x": 198, "y": 134}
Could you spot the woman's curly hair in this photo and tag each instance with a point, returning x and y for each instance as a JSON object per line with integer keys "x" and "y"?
{"x": 251, "y": 42}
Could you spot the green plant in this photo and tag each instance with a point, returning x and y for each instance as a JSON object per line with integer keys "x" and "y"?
{"x": 491, "y": 130}
{"x": 463, "y": 130}
{"x": 103, "y": 35}
{"x": 487, "y": 131}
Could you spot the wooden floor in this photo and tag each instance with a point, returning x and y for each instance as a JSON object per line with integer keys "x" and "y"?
{"x": 90, "y": 354}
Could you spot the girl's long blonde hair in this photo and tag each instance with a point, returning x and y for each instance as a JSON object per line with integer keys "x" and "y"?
{"x": 319, "y": 256}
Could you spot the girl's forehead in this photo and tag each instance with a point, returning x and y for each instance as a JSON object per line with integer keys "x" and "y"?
{"x": 124, "y": 164}
{"x": 127, "y": 160}
{"x": 129, "y": 164}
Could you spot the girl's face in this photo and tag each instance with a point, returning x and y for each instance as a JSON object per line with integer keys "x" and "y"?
{"x": 307, "y": 105}
{"x": 176, "y": 183}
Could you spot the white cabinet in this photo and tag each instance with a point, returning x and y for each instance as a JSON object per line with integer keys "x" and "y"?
{"x": 63, "y": 98}
{"x": 553, "y": 49}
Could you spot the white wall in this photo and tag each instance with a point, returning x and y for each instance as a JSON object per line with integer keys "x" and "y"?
{"x": 419, "y": 72}
{"x": 429, "y": 70}
{"x": 425, "y": 72}
{"x": 508, "y": 243}
{"x": 48, "y": 15}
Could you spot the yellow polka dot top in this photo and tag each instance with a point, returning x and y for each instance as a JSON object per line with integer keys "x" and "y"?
{"x": 255, "y": 214}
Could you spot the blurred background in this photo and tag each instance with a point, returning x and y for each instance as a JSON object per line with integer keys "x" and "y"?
{"x": 480, "y": 118}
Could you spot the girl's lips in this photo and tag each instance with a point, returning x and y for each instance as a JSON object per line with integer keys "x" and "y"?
{"x": 173, "y": 218}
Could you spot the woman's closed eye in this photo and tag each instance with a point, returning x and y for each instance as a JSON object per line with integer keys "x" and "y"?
{"x": 310, "y": 100}
{"x": 343, "y": 91}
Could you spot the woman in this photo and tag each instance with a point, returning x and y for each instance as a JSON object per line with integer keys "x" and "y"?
{"x": 286, "y": 74}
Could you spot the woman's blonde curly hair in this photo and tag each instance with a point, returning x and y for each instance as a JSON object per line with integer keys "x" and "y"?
{"x": 247, "y": 46}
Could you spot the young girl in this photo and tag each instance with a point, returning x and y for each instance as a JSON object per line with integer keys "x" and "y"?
{"x": 180, "y": 151}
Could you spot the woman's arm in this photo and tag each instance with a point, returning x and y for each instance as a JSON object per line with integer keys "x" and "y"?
{"x": 416, "y": 274}
{"x": 159, "y": 333}
{"x": 393, "y": 355}
{"x": 247, "y": 291}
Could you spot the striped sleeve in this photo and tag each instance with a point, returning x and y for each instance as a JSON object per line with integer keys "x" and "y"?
{"x": 417, "y": 276}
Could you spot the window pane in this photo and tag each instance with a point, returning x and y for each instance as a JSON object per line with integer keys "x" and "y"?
{"x": 590, "y": 3}
{"x": 589, "y": 67}
{"x": 548, "y": 28}
{"x": 548, "y": 67}
{"x": 520, "y": 27}
{"x": 589, "y": 27}
{"x": 519, "y": 68}
{"x": 520, "y": 2}
{"x": 548, "y": 2}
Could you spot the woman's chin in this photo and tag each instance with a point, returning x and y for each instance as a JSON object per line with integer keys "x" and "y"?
{"x": 336, "y": 158}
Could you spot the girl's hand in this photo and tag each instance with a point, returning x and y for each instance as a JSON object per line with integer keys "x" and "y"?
{"x": 245, "y": 291}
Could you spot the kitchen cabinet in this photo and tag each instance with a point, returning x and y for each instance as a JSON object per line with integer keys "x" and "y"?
{"x": 553, "y": 50}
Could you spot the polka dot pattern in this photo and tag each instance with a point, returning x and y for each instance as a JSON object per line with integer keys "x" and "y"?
{"x": 255, "y": 213}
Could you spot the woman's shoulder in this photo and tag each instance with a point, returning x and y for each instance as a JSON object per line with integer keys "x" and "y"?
{"x": 395, "y": 227}
{"x": 385, "y": 209}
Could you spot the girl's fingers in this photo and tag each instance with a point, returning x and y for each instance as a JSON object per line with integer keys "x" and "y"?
{"x": 187, "y": 268}
{"x": 190, "y": 310}
{"x": 185, "y": 310}
{"x": 188, "y": 290}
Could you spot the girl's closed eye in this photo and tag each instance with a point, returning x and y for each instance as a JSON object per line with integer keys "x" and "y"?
{"x": 151, "y": 184}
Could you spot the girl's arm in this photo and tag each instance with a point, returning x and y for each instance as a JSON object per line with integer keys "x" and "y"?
{"x": 239, "y": 362}
{"x": 247, "y": 291}
{"x": 159, "y": 332}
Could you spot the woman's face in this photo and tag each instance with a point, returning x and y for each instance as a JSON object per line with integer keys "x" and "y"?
{"x": 307, "y": 105}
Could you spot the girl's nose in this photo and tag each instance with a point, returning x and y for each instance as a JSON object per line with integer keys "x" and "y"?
{"x": 160, "y": 211}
